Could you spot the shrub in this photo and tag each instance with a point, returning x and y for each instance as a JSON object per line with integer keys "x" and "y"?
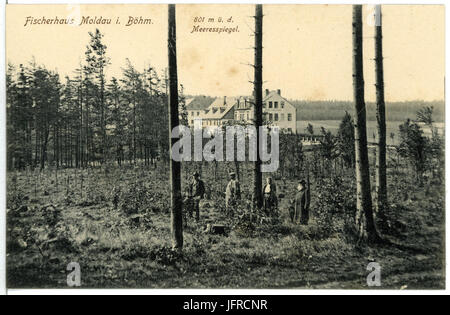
{"x": 248, "y": 221}
{"x": 335, "y": 207}
{"x": 15, "y": 196}
{"x": 138, "y": 198}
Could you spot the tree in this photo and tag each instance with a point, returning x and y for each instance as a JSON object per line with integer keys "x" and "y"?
{"x": 327, "y": 148}
{"x": 175, "y": 167}
{"x": 257, "y": 85}
{"x": 425, "y": 115}
{"x": 118, "y": 119}
{"x": 381, "y": 179}
{"x": 346, "y": 140}
{"x": 97, "y": 61}
{"x": 133, "y": 86}
{"x": 182, "y": 107}
{"x": 46, "y": 96}
{"x": 10, "y": 100}
{"x": 310, "y": 129}
{"x": 364, "y": 216}
{"x": 413, "y": 146}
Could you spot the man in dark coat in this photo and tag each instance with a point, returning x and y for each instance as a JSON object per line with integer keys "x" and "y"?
{"x": 196, "y": 193}
{"x": 300, "y": 213}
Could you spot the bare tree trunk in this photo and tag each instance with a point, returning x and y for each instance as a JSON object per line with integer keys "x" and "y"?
{"x": 381, "y": 182}
{"x": 257, "y": 179}
{"x": 364, "y": 217}
{"x": 175, "y": 167}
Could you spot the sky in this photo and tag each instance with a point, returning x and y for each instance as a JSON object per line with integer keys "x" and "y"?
{"x": 307, "y": 48}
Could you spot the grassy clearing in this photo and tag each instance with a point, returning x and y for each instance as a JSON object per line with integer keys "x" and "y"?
{"x": 116, "y": 224}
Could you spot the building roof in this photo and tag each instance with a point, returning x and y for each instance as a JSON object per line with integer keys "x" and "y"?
{"x": 268, "y": 94}
{"x": 199, "y": 103}
{"x": 219, "y": 108}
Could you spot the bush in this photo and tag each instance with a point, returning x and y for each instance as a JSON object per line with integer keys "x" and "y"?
{"x": 160, "y": 254}
{"x": 138, "y": 198}
{"x": 335, "y": 208}
{"x": 248, "y": 221}
{"x": 15, "y": 196}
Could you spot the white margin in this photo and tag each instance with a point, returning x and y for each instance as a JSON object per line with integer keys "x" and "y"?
{"x": 194, "y": 291}
{"x": 3, "y": 152}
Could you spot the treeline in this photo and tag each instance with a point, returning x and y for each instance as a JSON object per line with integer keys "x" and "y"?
{"x": 85, "y": 119}
{"x": 395, "y": 111}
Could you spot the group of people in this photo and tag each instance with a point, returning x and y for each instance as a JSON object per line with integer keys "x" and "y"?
{"x": 298, "y": 209}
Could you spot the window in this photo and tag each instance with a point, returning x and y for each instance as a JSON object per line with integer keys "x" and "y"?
{"x": 242, "y": 116}
{"x": 270, "y": 117}
{"x": 247, "y": 117}
{"x": 276, "y": 117}
{"x": 275, "y": 105}
{"x": 198, "y": 113}
{"x": 192, "y": 113}
{"x": 270, "y": 104}
{"x": 282, "y": 104}
{"x": 290, "y": 130}
{"x": 192, "y": 122}
{"x": 282, "y": 117}
{"x": 289, "y": 117}
{"x": 264, "y": 105}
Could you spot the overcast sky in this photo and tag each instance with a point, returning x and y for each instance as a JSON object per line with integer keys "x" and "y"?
{"x": 307, "y": 48}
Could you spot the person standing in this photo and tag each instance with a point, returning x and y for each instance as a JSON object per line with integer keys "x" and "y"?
{"x": 196, "y": 193}
{"x": 232, "y": 194}
{"x": 270, "y": 196}
{"x": 301, "y": 205}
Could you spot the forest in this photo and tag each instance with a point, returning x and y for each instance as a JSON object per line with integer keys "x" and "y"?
{"x": 91, "y": 180}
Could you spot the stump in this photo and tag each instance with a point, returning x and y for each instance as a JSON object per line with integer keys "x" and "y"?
{"x": 216, "y": 229}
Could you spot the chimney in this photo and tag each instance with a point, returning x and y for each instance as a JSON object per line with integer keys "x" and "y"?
{"x": 224, "y": 100}
{"x": 267, "y": 92}
{"x": 279, "y": 92}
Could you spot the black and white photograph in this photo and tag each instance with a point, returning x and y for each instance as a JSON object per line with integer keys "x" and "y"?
{"x": 225, "y": 146}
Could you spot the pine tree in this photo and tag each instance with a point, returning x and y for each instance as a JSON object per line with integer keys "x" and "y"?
{"x": 381, "y": 179}
{"x": 365, "y": 219}
{"x": 175, "y": 167}
{"x": 257, "y": 175}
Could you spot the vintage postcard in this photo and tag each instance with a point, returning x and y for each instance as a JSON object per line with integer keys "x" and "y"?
{"x": 214, "y": 146}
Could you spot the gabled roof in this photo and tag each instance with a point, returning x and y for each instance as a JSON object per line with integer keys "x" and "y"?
{"x": 219, "y": 108}
{"x": 273, "y": 93}
{"x": 277, "y": 95}
{"x": 248, "y": 100}
{"x": 199, "y": 103}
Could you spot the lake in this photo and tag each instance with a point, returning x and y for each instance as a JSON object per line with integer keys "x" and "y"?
{"x": 391, "y": 127}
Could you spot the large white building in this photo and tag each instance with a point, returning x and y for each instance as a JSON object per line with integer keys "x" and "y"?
{"x": 277, "y": 110}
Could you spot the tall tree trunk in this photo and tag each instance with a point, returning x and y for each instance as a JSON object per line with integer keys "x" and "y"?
{"x": 103, "y": 118}
{"x": 175, "y": 167}
{"x": 364, "y": 217}
{"x": 257, "y": 175}
{"x": 381, "y": 182}
{"x": 134, "y": 130}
